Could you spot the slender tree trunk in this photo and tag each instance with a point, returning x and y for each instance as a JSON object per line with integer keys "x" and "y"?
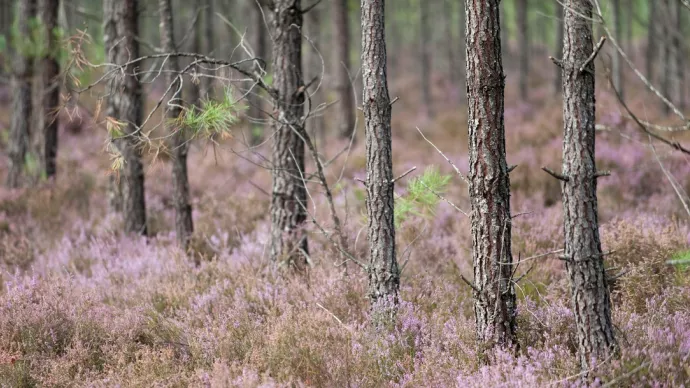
{"x": 6, "y": 19}
{"x": 558, "y": 80}
{"x": 184, "y": 226}
{"x": 260, "y": 45}
{"x": 205, "y": 34}
{"x": 618, "y": 32}
{"x": 425, "y": 58}
{"x": 345, "y": 114}
{"x": 681, "y": 58}
{"x": 667, "y": 53}
{"x": 314, "y": 69}
{"x": 650, "y": 56}
{"x": 450, "y": 42}
{"x": 124, "y": 104}
{"x": 583, "y": 255}
{"x": 494, "y": 295}
{"x": 50, "y": 87}
{"x": 524, "y": 45}
{"x": 21, "y": 105}
{"x": 289, "y": 199}
{"x": 384, "y": 275}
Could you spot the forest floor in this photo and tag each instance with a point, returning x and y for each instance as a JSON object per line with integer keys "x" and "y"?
{"x": 83, "y": 305}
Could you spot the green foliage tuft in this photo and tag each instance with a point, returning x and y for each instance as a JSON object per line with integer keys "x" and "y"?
{"x": 212, "y": 118}
{"x": 420, "y": 200}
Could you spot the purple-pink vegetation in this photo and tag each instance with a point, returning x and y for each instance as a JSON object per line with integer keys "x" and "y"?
{"x": 83, "y": 305}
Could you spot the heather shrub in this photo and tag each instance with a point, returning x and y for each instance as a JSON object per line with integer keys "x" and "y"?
{"x": 640, "y": 250}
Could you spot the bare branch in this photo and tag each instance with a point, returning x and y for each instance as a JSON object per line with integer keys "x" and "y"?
{"x": 555, "y": 174}
{"x": 457, "y": 171}
{"x": 403, "y": 174}
{"x": 594, "y": 53}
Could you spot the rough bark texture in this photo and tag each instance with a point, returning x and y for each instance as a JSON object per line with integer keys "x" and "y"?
{"x": 558, "y": 80}
{"x": 125, "y": 104}
{"x": 583, "y": 255}
{"x": 21, "y": 104}
{"x": 178, "y": 143}
{"x": 425, "y": 58}
{"x": 650, "y": 54}
{"x": 489, "y": 182}
{"x": 524, "y": 46}
{"x": 384, "y": 274}
{"x": 50, "y": 87}
{"x": 345, "y": 108}
{"x": 289, "y": 195}
{"x": 616, "y": 58}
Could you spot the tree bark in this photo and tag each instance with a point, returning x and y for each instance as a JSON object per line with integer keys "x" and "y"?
{"x": 425, "y": 58}
{"x": 345, "y": 114}
{"x": 618, "y": 32}
{"x": 22, "y": 75}
{"x": 650, "y": 56}
{"x": 124, "y": 104}
{"x": 50, "y": 87}
{"x": 178, "y": 147}
{"x": 524, "y": 46}
{"x": 558, "y": 80}
{"x": 384, "y": 275}
{"x": 289, "y": 196}
{"x": 583, "y": 255}
{"x": 494, "y": 295}
{"x": 260, "y": 45}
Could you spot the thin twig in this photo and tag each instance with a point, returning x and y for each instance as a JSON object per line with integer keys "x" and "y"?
{"x": 457, "y": 171}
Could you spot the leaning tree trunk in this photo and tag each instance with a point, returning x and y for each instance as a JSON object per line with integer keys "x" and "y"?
{"x": 384, "y": 275}
{"x": 494, "y": 294}
{"x": 524, "y": 47}
{"x": 21, "y": 104}
{"x": 124, "y": 104}
{"x": 50, "y": 86}
{"x": 583, "y": 256}
{"x": 425, "y": 58}
{"x": 289, "y": 195}
{"x": 558, "y": 81}
{"x": 345, "y": 108}
{"x": 178, "y": 143}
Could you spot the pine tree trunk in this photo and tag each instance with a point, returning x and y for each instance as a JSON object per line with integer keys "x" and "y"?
{"x": 205, "y": 33}
{"x": 583, "y": 255}
{"x": 345, "y": 108}
{"x": 384, "y": 275}
{"x": 524, "y": 47}
{"x": 289, "y": 199}
{"x": 125, "y": 104}
{"x": 666, "y": 52}
{"x": 558, "y": 80}
{"x": 494, "y": 295}
{"x": 681, "y": 58}
{"x": 618, "y": 32}
{"x": 50, "y": 87}
{"x": 425, "y": 58}
{"x": 314, "y": 70}
{"x": 178, "y": 146}
{"x": 260, "y": 45}
{"x": 650, "y": 56}
{"x": 22, "y": 75}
